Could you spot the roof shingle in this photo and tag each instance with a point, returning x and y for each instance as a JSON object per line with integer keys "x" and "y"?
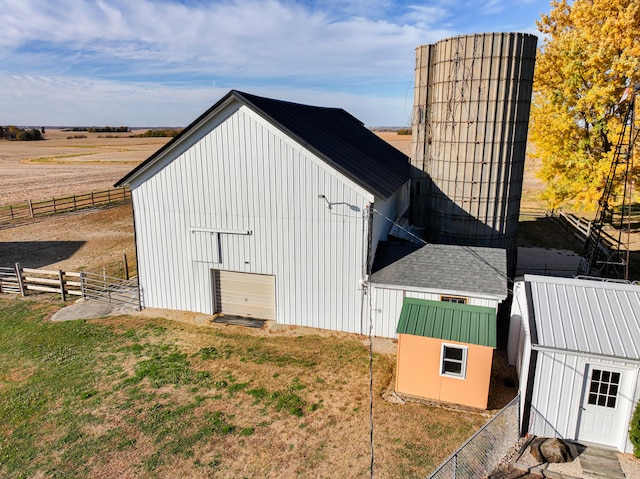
{"x": 442, "y": 267}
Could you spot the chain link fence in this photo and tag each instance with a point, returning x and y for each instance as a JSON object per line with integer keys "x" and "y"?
{"x": 486, "y": 448}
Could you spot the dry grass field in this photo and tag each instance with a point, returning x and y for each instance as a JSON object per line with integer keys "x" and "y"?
{"x": 146, "y": 397}
{"x": 63, "y": 165}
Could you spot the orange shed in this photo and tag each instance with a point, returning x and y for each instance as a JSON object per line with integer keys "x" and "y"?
{"x": 445, "y": 351}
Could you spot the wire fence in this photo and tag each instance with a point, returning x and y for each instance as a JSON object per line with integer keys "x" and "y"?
{"x": 484, "y": 451}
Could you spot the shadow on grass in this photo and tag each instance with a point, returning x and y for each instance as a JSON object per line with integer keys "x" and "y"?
{"x": 37, "y": 254}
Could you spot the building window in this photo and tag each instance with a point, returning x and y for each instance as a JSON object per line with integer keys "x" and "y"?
{"x": 603, "y": 390}
{"x": 454, "y": 299}
{"x": 453, "y": 361}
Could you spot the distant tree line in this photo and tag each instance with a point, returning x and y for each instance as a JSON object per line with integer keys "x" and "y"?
{"x": 99, "y": 129}
{"x": 108, "y": 129}
{"x": 21, "y": 134}
{"x": 159, "y": 132}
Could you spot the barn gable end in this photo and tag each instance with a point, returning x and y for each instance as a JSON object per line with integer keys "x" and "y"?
{"x": 239, "y": 194}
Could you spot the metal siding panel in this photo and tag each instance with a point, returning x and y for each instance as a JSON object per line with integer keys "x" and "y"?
{"x": 588, "y": 316}
{"x": 558, "y": 386}
{"x": 387, "y": 305}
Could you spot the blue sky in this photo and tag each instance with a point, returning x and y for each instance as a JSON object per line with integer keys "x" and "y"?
{"x": 163, "y": 62}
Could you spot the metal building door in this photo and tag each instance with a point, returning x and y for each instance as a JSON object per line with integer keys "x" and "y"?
{"x": 604, "y": 413}
{"x": 245, "y": 294}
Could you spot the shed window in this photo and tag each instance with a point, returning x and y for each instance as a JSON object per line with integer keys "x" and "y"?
{"x": 603, "y": 390}
{"x": 454, "y": 299}
{"x": 453, "y": 361}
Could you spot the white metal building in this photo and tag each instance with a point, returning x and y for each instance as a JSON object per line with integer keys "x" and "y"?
{"x": 261, "y": 208}
{"x": 576, "y": 347}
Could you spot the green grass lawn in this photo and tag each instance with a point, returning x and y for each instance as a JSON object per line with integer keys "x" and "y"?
{"x": 137, "y": 397}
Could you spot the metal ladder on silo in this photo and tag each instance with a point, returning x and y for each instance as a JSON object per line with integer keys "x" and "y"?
{"x": 615, "y": 255}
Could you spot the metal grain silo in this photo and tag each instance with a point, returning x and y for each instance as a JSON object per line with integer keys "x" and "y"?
{"x": 471, "y": 112}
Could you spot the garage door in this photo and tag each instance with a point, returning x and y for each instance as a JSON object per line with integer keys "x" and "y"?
{"x": 245, "y": 294}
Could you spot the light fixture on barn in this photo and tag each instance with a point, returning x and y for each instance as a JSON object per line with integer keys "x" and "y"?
{"x": 326, "y": 199}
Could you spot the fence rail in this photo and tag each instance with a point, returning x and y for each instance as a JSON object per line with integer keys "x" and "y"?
{"x": 483, "y": 451}
{"x": 580, "y": 229}
{"x": 117, "y": 292}
{"x": 33, "y": 209}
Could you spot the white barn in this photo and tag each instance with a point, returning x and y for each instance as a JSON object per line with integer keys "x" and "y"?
{"x": 264, "y": 208}
{"x": 575, "y": 344}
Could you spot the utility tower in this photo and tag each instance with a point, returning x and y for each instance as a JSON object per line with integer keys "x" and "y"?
{"x": 604, "y": 254}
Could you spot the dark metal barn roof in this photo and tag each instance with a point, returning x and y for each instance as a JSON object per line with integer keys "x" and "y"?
{"x": 331, "y": 133}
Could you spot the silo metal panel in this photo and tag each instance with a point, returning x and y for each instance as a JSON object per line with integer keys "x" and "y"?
{"x": 475, "y": 104}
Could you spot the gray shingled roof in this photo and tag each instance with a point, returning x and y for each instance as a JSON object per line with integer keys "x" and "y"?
{"x": 465, "y": 269}
{"x": 333, "y": 134}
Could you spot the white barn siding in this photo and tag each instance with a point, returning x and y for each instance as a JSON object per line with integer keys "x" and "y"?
{"x": 551, "y": 417}
{"x": 387, "y": 304}
{"x": 246, "y": 176}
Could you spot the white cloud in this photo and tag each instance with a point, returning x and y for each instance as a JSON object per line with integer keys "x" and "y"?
{"x": 243, "y": 38}
{"x": 145, "y": 62}
{"x": 65, "y": 101}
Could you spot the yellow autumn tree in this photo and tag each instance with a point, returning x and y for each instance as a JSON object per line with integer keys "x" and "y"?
{"x": 590, "y": 54}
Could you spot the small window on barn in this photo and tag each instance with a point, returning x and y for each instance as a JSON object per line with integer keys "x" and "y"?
{"x": 454, "y": 299}
{"x": 453, "y": 361}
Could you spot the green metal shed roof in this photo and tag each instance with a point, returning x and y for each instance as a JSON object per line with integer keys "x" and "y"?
{"x": 448, "y": 321}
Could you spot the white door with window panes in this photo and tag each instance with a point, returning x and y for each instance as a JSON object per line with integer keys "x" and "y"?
{"x": 604, "y": 413}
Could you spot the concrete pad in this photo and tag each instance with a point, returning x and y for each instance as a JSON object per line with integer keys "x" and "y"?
{"x": 82, "y": 310}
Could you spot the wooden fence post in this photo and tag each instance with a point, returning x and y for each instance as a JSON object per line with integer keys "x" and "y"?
{"x": 30, "y": 208}
{"x": 82, "y": 280}
{"x": 126, "y": 266}
{"x": 62, "y": 291}
{"x": 20, "y": 280}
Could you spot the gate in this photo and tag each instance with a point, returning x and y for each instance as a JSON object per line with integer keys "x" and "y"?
{"x": 9, "y": 282}
{"x": 117, "y": 292}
